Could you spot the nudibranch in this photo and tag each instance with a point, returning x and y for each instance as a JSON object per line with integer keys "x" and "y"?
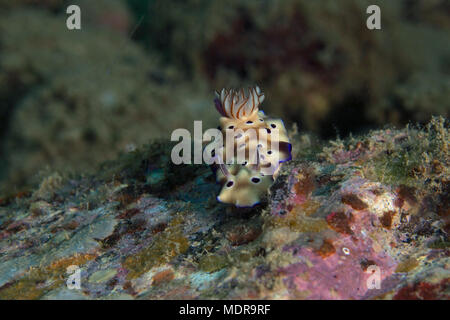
{"x": 261, "y": 141}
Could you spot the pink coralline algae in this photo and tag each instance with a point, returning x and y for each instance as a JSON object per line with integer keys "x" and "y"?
{"x": 344, "y": 272}
{"x": 351, "y": 237}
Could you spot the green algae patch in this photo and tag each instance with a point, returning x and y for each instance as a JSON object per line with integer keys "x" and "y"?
{"x": 407, "y": 265}
{"x": 165, "y": 246}
{"x": 213, "y": 262}
{"x": 439, "y": 244}
{"x": 39, "y": 281}
{"x": 102, "y": 276}
{"x": 398, "y": 168}
{"x": 299, "y": 220}
{"x": 414, "y": 157}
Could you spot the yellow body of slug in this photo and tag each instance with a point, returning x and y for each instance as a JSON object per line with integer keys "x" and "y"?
{"x": 245, "y": 184}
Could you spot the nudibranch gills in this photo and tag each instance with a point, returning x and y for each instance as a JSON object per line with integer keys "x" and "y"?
{"x": 245, "y": 184}
{"x": 237, "y": 104}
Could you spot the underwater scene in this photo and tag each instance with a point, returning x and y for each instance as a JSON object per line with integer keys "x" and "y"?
{"x": 224, "y": 150}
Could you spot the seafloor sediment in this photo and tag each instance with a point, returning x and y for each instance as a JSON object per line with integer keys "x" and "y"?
{"x": 144, "y": 228}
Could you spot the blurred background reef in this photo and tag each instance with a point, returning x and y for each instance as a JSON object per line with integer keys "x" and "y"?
{"x": 138, "y": 69}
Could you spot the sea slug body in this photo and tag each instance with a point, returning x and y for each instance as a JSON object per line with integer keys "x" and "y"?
{"x": 262, "y": 140}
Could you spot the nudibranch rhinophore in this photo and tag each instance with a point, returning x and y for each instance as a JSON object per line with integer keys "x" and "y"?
{"x": 261, "y": 144}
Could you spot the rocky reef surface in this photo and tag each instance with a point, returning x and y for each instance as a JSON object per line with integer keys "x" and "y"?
{"x": 143, "y": 228}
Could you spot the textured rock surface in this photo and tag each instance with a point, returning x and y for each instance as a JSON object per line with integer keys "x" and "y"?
{"x": 143, "y": 228}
